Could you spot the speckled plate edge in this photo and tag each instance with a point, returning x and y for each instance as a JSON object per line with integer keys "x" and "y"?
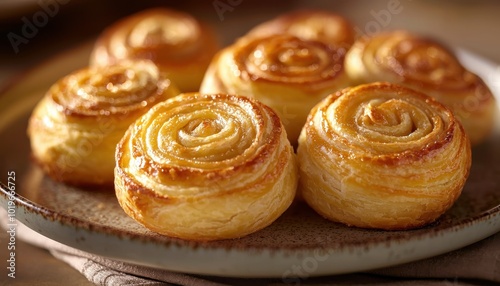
{"x": 280, "y": 263}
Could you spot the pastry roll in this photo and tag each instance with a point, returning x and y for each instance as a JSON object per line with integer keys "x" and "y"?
{"x": 316, "y": 25}
{"x": 425, "y": 65}
{"x": 180, "y": 44}
{"x": 74, "y": 129}
{"x": 284, "y": 72}
{"x": 382, "y": 156}
{"x": 206, "y": 167}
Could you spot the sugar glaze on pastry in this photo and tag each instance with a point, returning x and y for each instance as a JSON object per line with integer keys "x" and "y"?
{"x": 178, "y": 43}
{"x": 75, "y": 127}
{"x": 317, "y": 25}
{"x": 428, "y": 66}
{"x": 206, "y": 167}
{"x": 287, "y": 73}
{"x": 382, "y": 156}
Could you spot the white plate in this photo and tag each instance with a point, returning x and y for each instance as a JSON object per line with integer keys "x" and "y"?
{"x": 299, "y": 243}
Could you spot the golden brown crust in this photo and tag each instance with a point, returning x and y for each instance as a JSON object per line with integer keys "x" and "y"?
{"x": 382, "y": 156}
{"x": 285, "y": 72}
{"x": 75, "y": 127}
{"x": 317, "y": 25}
{"x": 430, "y": 67}
{"x": 178, "y": 43}
{"x": 206, "y": 167}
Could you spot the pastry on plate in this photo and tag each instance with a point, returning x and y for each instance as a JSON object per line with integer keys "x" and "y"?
{"x": 382, "y": 156}
{"x": 75, "y": 127}
{"x": 285, "y": 72}
{"x": 319, "y": 25}
{"x": 206, "y": 167}
{"x": 428, "y": 66}
{"x": 178, "y": 43}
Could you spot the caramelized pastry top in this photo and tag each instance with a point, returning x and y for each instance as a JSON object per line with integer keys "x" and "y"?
{"x": 382, "y": 122}
{"x": 196, "y": 138}
{"x": 382, "y": 156}
{"x": 113, "y": 90}
{"x": 416, "y": 60}
{"x": 285, "y": 72}
{"x": 287, "y": 59}
{"x": 427, "y": 66}
{"x": 206, "y": 167}
{"x": 167, "y": 37}
{"x": 74, "y": 129}
{"x": 177, "y": 42}
{"x": 324, "y": 26}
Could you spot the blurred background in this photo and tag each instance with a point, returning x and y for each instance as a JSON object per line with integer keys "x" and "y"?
{"x": 62, "y": 24}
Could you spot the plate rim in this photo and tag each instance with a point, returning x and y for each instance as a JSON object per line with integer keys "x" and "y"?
{"x": 76, "y": 222}
{"x": 290, "y": 258}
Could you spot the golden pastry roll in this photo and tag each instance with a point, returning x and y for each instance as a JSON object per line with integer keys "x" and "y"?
{"x": 285, "y": 72}
{"x": 318, "y": 25}
{"x": 382, "y": 156}
{"x": 206, "y": 167}
{"x": 427, "y": 66}
{"x": 75, "y": 127}
{"x": 181, "y": 45}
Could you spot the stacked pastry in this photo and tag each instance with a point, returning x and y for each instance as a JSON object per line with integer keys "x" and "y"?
{"x": 289, "y": 63}
{"x": 428, "y": 66}
{"x": 74, "y": 129}
{"x": 328, "y": 27}
{"x": 136, "y": 63}
{"x": 219, "y": 163}
{"x": 178, "y": 43}
{"x": 382, "y": 156}
{"x": 205, "y": 167}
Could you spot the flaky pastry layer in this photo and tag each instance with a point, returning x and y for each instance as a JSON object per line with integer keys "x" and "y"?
{"x": 75, "y": 127}
{"x": 206, "y": 167}
{"x": 382, "y": 156}
{"x": 318, "y": 25}
{"x": 428, "y": 66}
{"x": 178, "y": 43}
{"x": 285, "y": 72}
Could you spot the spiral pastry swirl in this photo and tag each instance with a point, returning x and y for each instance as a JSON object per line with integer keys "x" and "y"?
{"x": 382, "y": 156}
{"x": 75, "y": 127}
{"x": 285, "y": 72}
{"x": 428, "y": 66}
{"x": 317, "y": 25}
{"x": 206, "y": 167}
{"x": 180, "y": 44}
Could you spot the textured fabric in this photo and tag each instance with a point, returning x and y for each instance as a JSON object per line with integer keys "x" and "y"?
{"x": 100, "y": 274}
{"x": 478, "y": 261}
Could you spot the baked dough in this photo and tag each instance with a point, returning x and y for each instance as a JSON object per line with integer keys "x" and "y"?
{"x": 75, "y": 127}
{"x": 177, "y": 42}
{"x": 317, "y": 25}
{"x": 382, "y": 156}
{"x": 428, "y": 66}
{"x": 206, "y": 167}
{"x": 285, "y": 72}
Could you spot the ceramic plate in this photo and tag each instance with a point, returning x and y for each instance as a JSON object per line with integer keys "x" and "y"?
{"x": 299, "y": 243}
